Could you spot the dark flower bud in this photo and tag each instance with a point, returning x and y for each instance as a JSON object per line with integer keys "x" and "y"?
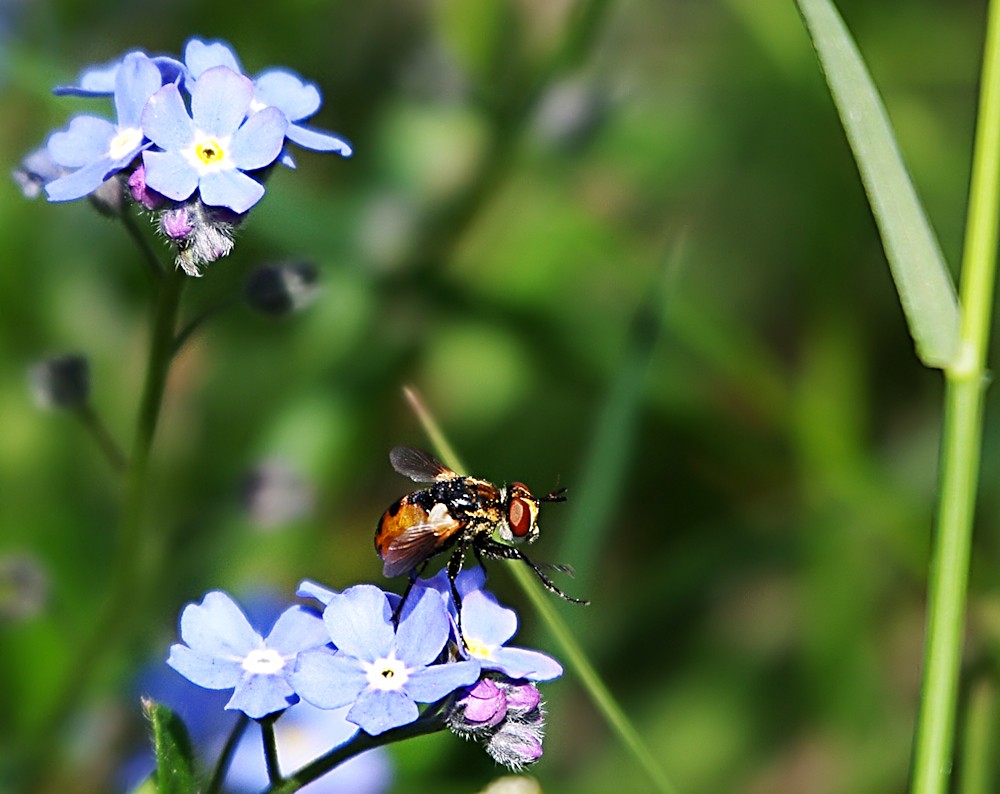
{"x": 61, "y": 382}
{"x": 279, "y": 290}
{"x": 24, "y": 587}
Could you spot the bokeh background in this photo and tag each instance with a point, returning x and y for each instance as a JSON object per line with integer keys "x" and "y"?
{"x": 617, "y": 246}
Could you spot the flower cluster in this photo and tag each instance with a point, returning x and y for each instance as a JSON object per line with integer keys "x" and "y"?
{"x": 361, "y": 649}
{"x": 191, "y": 142}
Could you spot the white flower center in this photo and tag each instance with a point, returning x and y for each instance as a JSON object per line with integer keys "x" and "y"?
{"x": 263, "y": 661}
{"x": 387, "y": 674}
{"x": 126, "y": 141}
{"x": 256, "y": 106}
{"x": 209, "y": 153}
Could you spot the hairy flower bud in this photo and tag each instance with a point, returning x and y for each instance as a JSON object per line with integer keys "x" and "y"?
{"x": 279, "y": 290}
{"x": 61, "y": 382}
{"x": 507, "y": 716}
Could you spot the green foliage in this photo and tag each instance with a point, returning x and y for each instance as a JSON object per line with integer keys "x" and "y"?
{"x": 175, "y": 762}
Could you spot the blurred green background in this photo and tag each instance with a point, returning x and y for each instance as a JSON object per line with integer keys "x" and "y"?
{"x": 624, "y": 251}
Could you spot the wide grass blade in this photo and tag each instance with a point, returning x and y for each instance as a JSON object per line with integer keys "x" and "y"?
{"x": 923, "y": 281}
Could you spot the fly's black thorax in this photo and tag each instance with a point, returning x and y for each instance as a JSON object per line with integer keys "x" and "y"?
{"x": 467, "y": 499}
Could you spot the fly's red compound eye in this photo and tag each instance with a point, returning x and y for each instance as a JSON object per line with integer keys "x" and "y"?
{"x": 519, "y": 516}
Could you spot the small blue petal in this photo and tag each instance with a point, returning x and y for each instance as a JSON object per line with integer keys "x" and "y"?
{"x": 360, "y": 622}
{"x": 423, "y": 627}
{"x": 257, "y": 143}
{"x": 524, "y": 663}
{"x": 171, "y": 174}
{"x": 80, "y": 183}
{"x": 311, "y": 589}
{"x": 485, "y": 620}
{"x": 200, "y": 56}
{"x": 220, "y": 100}
{"x": 86, "y": 139}
{"x": 209, "y": 672}
{"x": 136, "y": 81}
{"x": 297, "y": 629}
{"x": 287, "y": 92}
{"x": 217, "y": 627}
{"x": 377, "y": 711}
{"x": 165, "y": 119}
{"x": 260, "y": 695}
{"x": 94, "y": 81}
{"x": 317, "y": 140}
{"x": 433, "y": 683}
{"x": 326, "y": 679}
{"x": 232, "y": 189}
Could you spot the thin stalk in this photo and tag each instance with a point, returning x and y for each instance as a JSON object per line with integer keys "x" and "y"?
{"x": 429, "y": 722}
{"x": 961, "y": 443}
{"x": 226, "y": 756}
{"x": 120, "y": 608}
{"x": 149, "y": 255}
{"x": 573, "y": 652}
{"x": 102, "y": 436}
{"x": 270, "y": 749}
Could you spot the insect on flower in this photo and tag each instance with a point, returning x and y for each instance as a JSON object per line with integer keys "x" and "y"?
{"x": 461, "y": 513}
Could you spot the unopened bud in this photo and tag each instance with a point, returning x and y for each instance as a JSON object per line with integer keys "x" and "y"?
{"x": 61, "y": 382}
{"x": 279, "y": 290}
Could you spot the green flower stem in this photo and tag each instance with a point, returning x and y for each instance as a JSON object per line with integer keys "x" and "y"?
{"x": 226, "y": 756}
{"x": 270, "y": 749}
{"x": 149, "y": 254}
{"x": 572, "y": 651}
{"x": 102, "y": 436}
{"x": 121, "y": 606}
{"x": 429, "y": 722}
{"x": 962, "y": 439}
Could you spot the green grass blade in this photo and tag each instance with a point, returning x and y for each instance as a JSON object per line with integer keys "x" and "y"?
{"x": 923, "y": 281}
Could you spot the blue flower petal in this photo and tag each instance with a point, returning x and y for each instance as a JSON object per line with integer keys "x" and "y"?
{"x": 200, "y": 56}
{"x": 93, "y": 81}
{"x": 217, "y": 627}
{"x": 232, "y": 189}
{"x": 220, "y": 100}
{"x": 287, "y": 92}
{"x": 317, "y": 140}
{"x": 80, "y": 183}
{"x": 360, "y": 622}
{"x": 206, "y": 671}
{"x": 310, "y": 589}
{"x": 136, "y": 81}
{"x": 433, "y": 683}
{"x": 165, "y": 119}
{"x": 423, "y": 627}
{"x": 260, "y": 695}
{"x": 297, "y": 629}
{"x": 170, "y": 174}
{"x": 257, "y": 143}
{"x": 377, "y": 711}
{"x": 86, "y": 139}
{"x": 326, "y": 679}
{"x": 524, "y": 663}
{"x": 485, "y": 620}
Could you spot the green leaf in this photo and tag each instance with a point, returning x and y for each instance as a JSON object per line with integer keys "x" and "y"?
{"x": 923, "y": 281}
{"x": 175, "y": 767}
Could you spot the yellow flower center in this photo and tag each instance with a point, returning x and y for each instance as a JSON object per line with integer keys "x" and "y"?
{"x": 480, "y": 650}
{"x": 209, "y": 153}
